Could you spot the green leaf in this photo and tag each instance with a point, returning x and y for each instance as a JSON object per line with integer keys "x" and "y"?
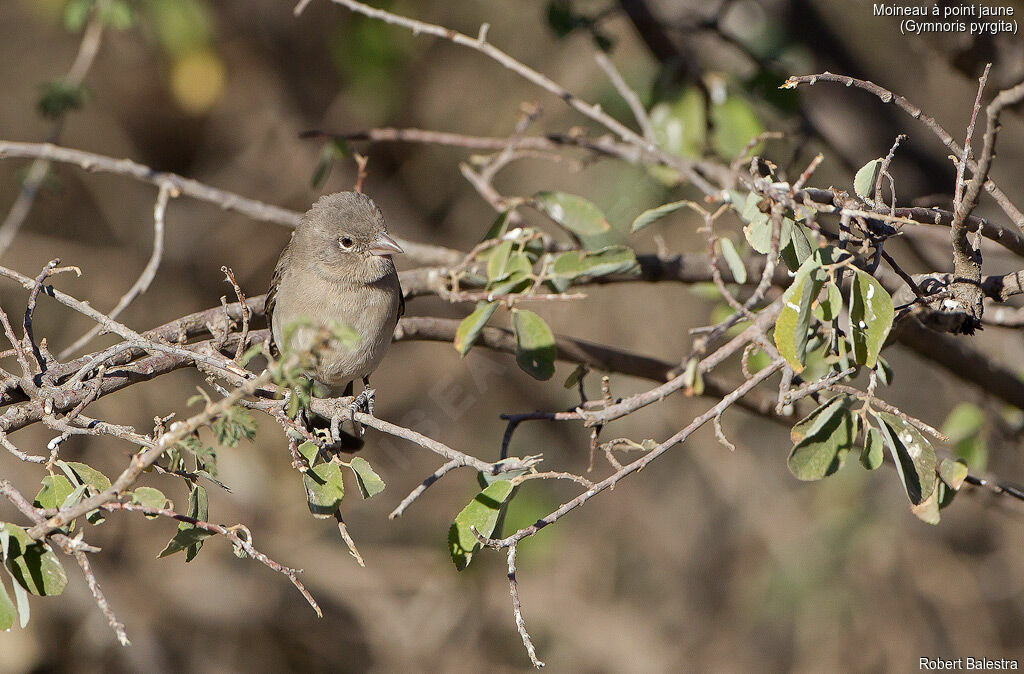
{"x": 471, "y": 326}
{"x": 190, "y": 537}
{"x": 734, "y": 125}
{"x": 575, "y": 376}
{"x": 21, "y": 598}
{"x": 953, "y": 473}
{"x": 966, "y": 420}
{"x": 7, "y": 611}
{"x": 798, "y": 247}
{"x": 864, "y": 181}
{"x": 679, "y": 128}
{"x": 198, "y": 508}
{"x": 871, "y": 316}
{"x": 150, "y": 498}
{"x": 59, "y": 98}
{"x": 369, "y": 482}
{"x": 205, "y": 455}
{"x": 233, "y": 426}
{"x": 794, "y": 320}
{"x": 56, "y": 488}
{"x": 498, "y": 227}
{"x": 574, "y": 213}
{"x": 734, "y": 261}
{"x": 535, "y": 345}
{"x": 118, "y": 15}
{"x": 913, "y": 455}
{"x": 324, "y": 485}
{"x": 593, "y": 264}
{"x": 823, "y": 439}
{"x": 32, "y": 563}
{"x": 974, "y": 451}
{"x": 873, "y": 454}
{"x": 514, "y": 283}
{"x": 693, "y": 378}
{"x": 497, "y": 261}
{"x": 652, "y": 215}
{"x": 829, "y": 308}
{"x": 86, "y": 474}
{"x": 332, "y": 151}
{"x": 561, "y": 19}
{"x": 884, "y": 371}
{"x": 481, "y": 514}
{"x": 76, "y": 13}
{"x": 928, "y": 510}
{"x": 758, "y": 230}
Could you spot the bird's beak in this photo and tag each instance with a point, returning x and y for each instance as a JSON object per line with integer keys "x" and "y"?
{"x": 385, "y": 245}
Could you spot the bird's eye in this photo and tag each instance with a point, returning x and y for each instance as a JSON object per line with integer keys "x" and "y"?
{"x": 345, "y": 242}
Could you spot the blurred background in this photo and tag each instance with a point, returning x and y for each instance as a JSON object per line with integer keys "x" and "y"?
{"x": 716, "y": 560}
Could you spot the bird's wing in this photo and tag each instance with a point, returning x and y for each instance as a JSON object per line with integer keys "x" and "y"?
{"x": 401, "y": 301}
{"x": 271, "y": 302}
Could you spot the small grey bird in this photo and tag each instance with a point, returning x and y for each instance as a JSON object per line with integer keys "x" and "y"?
{"x": 337, "y": 269}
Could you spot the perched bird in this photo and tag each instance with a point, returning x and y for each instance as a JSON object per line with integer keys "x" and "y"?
{"x": 337, "y": 270}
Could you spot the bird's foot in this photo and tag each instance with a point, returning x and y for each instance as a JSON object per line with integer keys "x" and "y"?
{"x": 364, "y": 402}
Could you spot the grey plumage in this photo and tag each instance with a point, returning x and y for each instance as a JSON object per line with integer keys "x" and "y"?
{"x": 337, "y": 268}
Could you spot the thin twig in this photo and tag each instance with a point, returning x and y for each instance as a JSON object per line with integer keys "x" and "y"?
{"x": 628, "y": 95}
{"x": 101, "y": 600}
{"x": 141, "y": 285}
{"x": 517, "y": 608}
{"x": 89, "y": 47}
{"x": 422, "y": 487}
{"x": 241, "y": 542}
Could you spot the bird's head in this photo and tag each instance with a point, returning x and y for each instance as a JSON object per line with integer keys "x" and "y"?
{"x": 343, "y": 234}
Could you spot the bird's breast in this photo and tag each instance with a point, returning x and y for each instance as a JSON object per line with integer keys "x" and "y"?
{"x": 369, "y": 309}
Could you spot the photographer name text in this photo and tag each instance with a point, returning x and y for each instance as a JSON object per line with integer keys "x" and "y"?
{"x": 940, "y": 664}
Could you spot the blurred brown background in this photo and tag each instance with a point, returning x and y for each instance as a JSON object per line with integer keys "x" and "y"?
{"x": 715, "y": 561}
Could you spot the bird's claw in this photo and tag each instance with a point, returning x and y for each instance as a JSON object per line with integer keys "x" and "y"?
{"x": 364, "y": 402}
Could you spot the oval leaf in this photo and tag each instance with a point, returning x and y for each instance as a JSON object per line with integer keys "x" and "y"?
{"x": 734, "y": 261}
{"x": 471, "y": 326}
{"x": 56, "y": 488}
{"x": 574, "y": 213}
{"x": 794, "y": 320}
{"x": 913, "y": 455}
{"x": 871, "y": 316}
{"x": 535, "y": 345}
{"x": 864, "y": 181}
{"x": 324, "y": 485}
{"x": 7, "y": 611}
{"x": 190, "y": 537}
{"x": 734, "y": 125}
{"x": 369, "y": 482}
{"x": 610, "y": 260}
{"x": 680, "y": 125}
{"x": 829, "y": 308}
{"x": 32, "y": 563}
{"x": 86, "y": 474}
{"x": 873, "y": 453}
{"x": 824, "y": 438}
{"x": 652, "y": 215}
{"x": 497, "y": 261}
{"x": 481, "y": 514}
{"x": 953, "y": 473}
{"x": 150, "y": 498}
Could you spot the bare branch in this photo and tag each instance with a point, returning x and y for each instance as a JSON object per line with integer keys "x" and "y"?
{"x": 141, "y": 284}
